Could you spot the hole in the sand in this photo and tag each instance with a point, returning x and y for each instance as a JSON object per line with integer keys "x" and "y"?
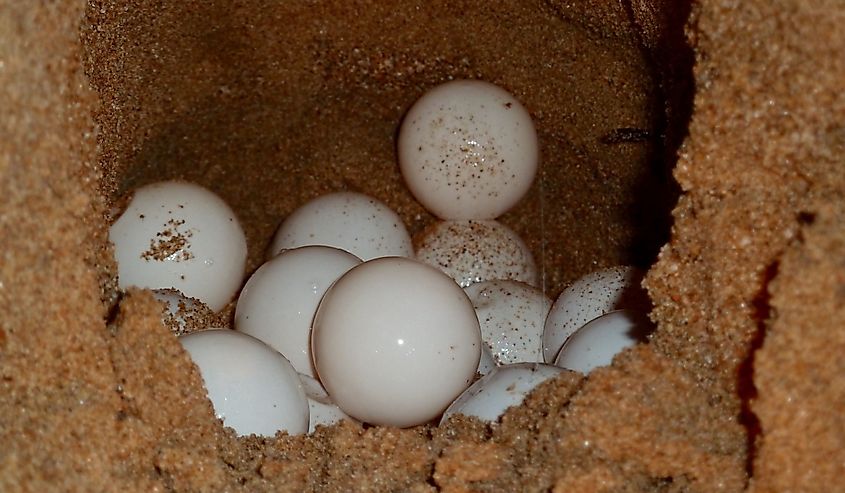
{"x": 269, "y": 121}
{"x": 270, "y": 115}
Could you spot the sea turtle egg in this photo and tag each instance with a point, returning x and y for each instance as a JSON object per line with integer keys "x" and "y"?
{"x": 475, "y": 251}
{"x": 596, "y": 343}
{"x": 253, "y": 388}
{"x": 182, "y": 236}
{"x": 467, "y": 149}
{"x": 395, "y": 341}
{"x": 591, "y": 296}
{"x": 511, "y": 315}
{"x": 354, "y": 222}
{"x": 278, "y": 303}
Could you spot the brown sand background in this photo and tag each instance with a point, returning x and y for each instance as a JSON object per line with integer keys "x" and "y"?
{"x": 741, "y": 386}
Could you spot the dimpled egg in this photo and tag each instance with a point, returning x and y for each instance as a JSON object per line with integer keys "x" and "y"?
{"x": 395, "y": 341}
{"x": 468, "y": 149}
{"x": 253, "y": 388}
{"x": 182, "y": 236}
{"x": 596, "y": 343}
{"x": 475, "y": 251}
{"x": 512, "y": 315}
{"x": 506, "y": 386}
{"x": 354, "y": 222}
{"x": 278, "y": 303}
{"x": 323, "y": 411}
{"x": 591, "y": 296}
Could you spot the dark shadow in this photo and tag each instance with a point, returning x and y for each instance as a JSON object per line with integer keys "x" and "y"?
{"x": 657, "y": 192}
{"x": 745, "y": 373}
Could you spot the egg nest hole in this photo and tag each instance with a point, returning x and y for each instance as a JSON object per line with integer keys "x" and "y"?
{"x": 270, "y": 104}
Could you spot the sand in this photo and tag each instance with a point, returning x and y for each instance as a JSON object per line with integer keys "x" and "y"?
{"x": 270, "y": 105}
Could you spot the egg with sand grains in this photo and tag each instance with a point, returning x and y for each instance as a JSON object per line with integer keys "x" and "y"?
{"x": 354, "y": 222}
{"x": 180, "y": 235}
{"x": 468, "y": 149}
{"x": 253, "y": 388}
{"x": 511, "y": 315}
{"x": 476, "y": 251}
{"x": 395, "y": 341}
{"x": 181, "y": 314}
{"x": 278, "y": 303}
{"x": 506, "y": 386}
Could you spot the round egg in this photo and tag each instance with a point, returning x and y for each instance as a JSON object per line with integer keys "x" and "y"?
{"x": 278, "y": 303}
{"x": 467, "y": 149}
{"x": 591, "y": 296}
{"x": 182, "y": 314}
{"x": 596, "y": 343}
{"x": 354, "y": 222}
{"x": 323, "y": 411}
{"x": 512, "y": 315}
{"x": 253, "y": 388}
{"x": 182, "y": 236}
{"x": 506, "y": 386}
{"x": 395, "y": 341}
{"x": 475, "y": 251}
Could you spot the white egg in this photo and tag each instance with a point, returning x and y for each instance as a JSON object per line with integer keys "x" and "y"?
{"x": 350, "y": 221}
{"x": 596, "y": 343}
{"x": 182, "y": 314}
{"x": 182, "y": 236}
{"x": 486, "y": 364}
{"x": 591, "y": 296}
{"x": 279, "y": 301}
{"x": 512, "y": 315}
{"x": 323, "y": 411}
{"x": 253, "y": 388}
{"x": 506, "y": 386}
{"x": 468, "y": 150}
{"x": 475, "y": 251}
{"x": 394, "y": 341}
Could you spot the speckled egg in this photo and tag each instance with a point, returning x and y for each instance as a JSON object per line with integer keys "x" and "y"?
{"x": 475, "y": 251}
{"x": 511, "y": 315}
{"x": 591, "y": 296}
{"x": 467, "y": 149}
{"x": 180, "y": 235}
{"x": 183, "y": 315}
{"x": 357, "y": 223}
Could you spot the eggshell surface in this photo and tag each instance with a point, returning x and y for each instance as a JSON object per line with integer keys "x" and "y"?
{"x": 589, "y": 297}
{"x": 357, "y": 223}
{"x": 468, "y": 149}
{"x": 182, "y": 236}
{"x": 278, "y": 303}
{"x": 395, "y": 341}
{"x": 506, "y": 386}
{"x": 596, "y": 343}
{"x": 476, "y": 251}
{"x": 512, "y": 315}
{"x": 323, "y": 411}
{"x": 253, "y": 388}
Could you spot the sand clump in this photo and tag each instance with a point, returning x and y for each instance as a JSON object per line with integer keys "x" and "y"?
{"x": 740, "y": 387}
